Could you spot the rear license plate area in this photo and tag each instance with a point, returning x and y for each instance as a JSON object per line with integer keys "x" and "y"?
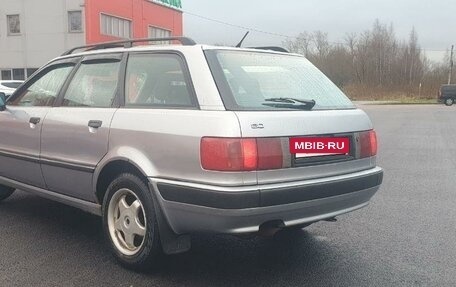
{"x": 325, "y": 149}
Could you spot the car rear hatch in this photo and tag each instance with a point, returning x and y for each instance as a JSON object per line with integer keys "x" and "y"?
{"x": 279, "y": 98}
{"x": 284, "y": 127}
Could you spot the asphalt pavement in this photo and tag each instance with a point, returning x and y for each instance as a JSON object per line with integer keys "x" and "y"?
{"x": 405, "y": 237}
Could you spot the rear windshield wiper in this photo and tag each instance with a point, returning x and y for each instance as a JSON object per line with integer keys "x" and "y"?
{"x": 290, "y": 103}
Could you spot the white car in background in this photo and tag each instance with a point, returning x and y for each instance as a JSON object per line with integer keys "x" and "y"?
{"x": 8, "y": 87}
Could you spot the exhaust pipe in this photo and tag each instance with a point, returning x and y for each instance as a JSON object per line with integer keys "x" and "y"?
{"x": 270, "y": 228}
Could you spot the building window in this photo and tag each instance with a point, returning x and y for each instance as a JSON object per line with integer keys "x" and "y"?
{"x": 17, "y": 74}
{"x": 115, "y": 26}
{"x": 155, "y": 32}
{"x": 14, "y": 24}
{"x": 74, "y": 21}
{"x": 6, "y": 75}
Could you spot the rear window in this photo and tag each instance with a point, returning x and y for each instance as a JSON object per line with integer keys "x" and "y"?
{"x": 249, "y": 80}
{"x": 448, "y": 88}
{"x": 12, "y": 85}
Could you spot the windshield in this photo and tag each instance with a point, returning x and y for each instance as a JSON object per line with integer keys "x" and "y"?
{"x": 248, "y": 80}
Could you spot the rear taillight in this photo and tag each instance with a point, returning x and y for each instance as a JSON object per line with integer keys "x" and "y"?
{"x": 368, "y": 143}
{"x": 241, "y": 154}
{"x": 270, "y": 154}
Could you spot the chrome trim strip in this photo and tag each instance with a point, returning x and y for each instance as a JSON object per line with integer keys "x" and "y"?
{"x": 48, "y": 161}
{"x": 68, "y": 165}
{"x": 20, "y": 156}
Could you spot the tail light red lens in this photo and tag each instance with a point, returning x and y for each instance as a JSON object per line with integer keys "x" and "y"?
{"x": 270, "y": 154}
{"x": 368, "y": 143}
{"x": 241, "y": 154}
{"x": 249, "y": 154}
{"x": 228, "y": 154}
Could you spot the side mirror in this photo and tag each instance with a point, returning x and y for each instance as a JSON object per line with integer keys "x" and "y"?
{"x": 2, "y": 102}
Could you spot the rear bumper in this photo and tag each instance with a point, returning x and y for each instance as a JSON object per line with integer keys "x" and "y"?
{"x": 190, "y": 207}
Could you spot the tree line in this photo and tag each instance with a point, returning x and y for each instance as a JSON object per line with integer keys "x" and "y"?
{"x": 374, "y": 64}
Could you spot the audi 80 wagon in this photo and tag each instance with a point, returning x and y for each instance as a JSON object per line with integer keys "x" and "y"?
{"x": 163, "y": 141}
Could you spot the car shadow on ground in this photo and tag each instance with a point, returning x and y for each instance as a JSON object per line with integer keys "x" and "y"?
{"x": 213, "y": 260}
{"x": 217, "y": 259}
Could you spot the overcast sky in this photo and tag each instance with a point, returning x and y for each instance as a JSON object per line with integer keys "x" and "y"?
{"x": 434, "y": 20}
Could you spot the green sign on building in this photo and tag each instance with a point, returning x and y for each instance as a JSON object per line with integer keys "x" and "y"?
{"x": 172, "y": 3}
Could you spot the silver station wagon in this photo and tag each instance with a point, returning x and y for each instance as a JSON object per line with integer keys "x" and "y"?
{"x": 163, "y": 141}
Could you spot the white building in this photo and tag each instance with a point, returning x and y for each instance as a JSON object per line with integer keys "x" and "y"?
{"x": 33, "y": 32}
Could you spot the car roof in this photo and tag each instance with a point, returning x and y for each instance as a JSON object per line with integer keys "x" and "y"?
{"x": 178, "y": 48}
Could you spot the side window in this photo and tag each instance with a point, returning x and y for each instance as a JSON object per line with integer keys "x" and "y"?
{"x": 44, "y": 89}
{"x": 93, "y": 85}
{"x": 156, "y": 80}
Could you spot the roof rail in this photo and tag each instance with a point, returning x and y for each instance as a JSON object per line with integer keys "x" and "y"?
{"x": 129, "y": 43}
{"x": 272, "y": 48}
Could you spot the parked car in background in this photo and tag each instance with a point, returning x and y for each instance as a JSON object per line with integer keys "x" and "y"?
{"x": 447, "y": 94}
{"x": 164, "y": 141}
{"x": 8, "y": 87}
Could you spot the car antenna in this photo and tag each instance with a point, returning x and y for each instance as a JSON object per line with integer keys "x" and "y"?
{"x": 242, "y": 40}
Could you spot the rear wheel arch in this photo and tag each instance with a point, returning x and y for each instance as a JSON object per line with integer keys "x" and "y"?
{"x": 170, "y": 242}
{"x": 111, "y": 171}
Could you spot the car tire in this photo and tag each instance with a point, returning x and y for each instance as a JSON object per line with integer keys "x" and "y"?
{"x": 6, "y": 192}
{"x": 449, "y": 101}
{"x": 130, "y": 222}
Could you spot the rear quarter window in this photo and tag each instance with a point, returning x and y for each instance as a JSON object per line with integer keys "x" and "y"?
{"x": 448, "y": 89}
{"x": 158, "y": 81}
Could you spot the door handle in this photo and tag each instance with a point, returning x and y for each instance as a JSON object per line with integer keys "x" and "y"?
{"x": 34, "y": 120}
{"x": 95, "y": 124}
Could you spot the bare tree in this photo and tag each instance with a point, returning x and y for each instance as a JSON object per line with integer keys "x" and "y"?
{"x": 373, "y": 62}
{"x": 301, "y": 45}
